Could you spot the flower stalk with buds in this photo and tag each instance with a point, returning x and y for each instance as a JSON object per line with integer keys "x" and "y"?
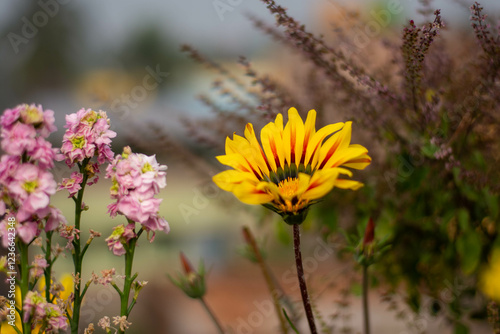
{"x": 137, "y": 179}
{"x": 192, "y": 283}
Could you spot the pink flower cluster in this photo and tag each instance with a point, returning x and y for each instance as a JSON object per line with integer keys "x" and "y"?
{"x": 24, "y": 129}
{"x": 37, "y": 309}
{"x": 25, "y": 182}
{"x": 87, "y": 135}
{"x": 137, "y": 178}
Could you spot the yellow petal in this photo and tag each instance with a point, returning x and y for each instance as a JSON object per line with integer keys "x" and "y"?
{"x": 329, "y": 152}
{"x": 348, "y": 184}
{"x": 359, "y": 162}
{"x": 344, "y": 171}
{"x": 279, "y": 122}
{"x": 258, "y": 153}
{"x": 272, "y": 143}
{"x": 228, "y": 179}
{"x": 230, "y": 146}
{"x": 314, "y": 145}
{"x": 272, "y": 189}
{"x": 346, "y": 135}
{"x": 320, "y": 184}
{"x": 250, "y": 193}
{"x": 238, "y": 162}
{"x": 304, "y": 183}
{"x": 343, "y": 156}
{"x": 309, "y": 131}
{"x": 293, "y": 137}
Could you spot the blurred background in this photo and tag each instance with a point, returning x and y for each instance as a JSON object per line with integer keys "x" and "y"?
{"x": 125, "y": 57}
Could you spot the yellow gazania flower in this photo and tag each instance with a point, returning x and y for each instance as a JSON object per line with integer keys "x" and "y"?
{"x": 488, "y": 279}
{"x": 295, "y": 166}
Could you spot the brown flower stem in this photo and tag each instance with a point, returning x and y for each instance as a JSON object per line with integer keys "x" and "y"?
{"x": 494, "y": 316}
{"x": 302, "y": 281}
{"x": 270, "y": 283}
{"x": 212, "y": 315}
{"x": 366, "y": 314}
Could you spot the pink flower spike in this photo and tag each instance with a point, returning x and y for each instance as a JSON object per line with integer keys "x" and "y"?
{"x": 87, "y": 135}
{"x": 136, "y": 179}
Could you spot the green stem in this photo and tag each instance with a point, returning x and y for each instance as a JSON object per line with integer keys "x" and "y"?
{"x": 268, "y": 278}
{"x": 302, "y": 282}
{"x": 212, "y": 316}
{"x": 77, "y": 253}
{"x": 24, "y": 282}
{"x": 366, "y": 314}
{"x": 48, "y": 270}
{"x": 129, "y": 278}
{"x": 16, "y": 329}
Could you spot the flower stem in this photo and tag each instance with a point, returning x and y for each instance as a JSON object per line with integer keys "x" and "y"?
{"x": 24, "y": 283}
{"x": 48, "y": 270}
{"x": 366, "y": 314}
{"x": 125, "y": 309}
{"x": 494, "y": 316}
{"x": 268, "y": 278}
{"x": 212, "y": 315}
{"x": 129, "y": 259}
{"x": 302, "y": 281}
{"x": 77, "y": 255}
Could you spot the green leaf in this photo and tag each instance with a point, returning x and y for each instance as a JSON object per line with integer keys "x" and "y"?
{"x": 469, "y": 248}
{"x": 460, "y": 328}
{"x": 290, "y": 321}
{"x": 492, "y": 203}
{"x": 429, "y": 149}
{"x": 463, "y": 219}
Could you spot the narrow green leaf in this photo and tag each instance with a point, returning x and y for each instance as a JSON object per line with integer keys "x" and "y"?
{"x": 290, "y": 322}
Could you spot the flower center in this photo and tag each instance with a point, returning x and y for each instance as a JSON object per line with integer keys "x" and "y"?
{"x": 78, "y": 142}
{"x": 90, "y": 118}
{"x": 288, "y": 188}
{"x": 30, "y": 186}
{"x": 115, "y": 187}
{"x": 31, "y": 115}
{"x": 52, "y": 313}
{"x": 147, "y": 168}
{"x": 36, "y": 299}
{"x": 118, "y": 231}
